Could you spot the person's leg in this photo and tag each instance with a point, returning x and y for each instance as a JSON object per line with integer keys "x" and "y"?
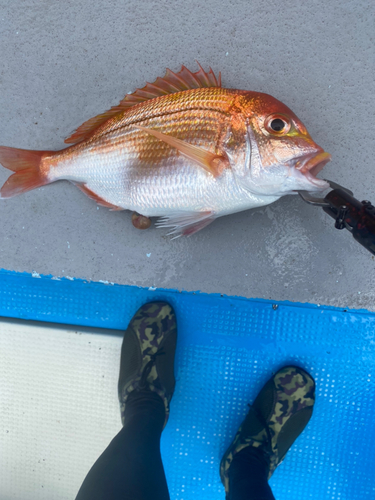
{"x": 248, "y": 476}
{"x": 131, "y": 467}
{"x": 279, "y": 414}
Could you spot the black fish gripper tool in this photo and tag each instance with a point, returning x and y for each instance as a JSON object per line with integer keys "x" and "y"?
{"x": 358, "y": 217}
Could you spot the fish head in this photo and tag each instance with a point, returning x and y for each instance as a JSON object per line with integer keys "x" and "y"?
{"x": 282, "y": 156}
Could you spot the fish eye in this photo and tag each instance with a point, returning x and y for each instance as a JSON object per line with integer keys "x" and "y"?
{"x": 277, "y": 125}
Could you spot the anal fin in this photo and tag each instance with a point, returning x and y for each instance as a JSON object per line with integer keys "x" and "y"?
{"x": 186, "y": 223}
{"x": 97, "y": 198}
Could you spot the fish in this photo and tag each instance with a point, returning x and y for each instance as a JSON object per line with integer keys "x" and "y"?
{"x": 183, "y": 149}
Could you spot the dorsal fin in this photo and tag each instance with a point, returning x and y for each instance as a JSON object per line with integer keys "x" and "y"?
{"x": 169, "y": 84}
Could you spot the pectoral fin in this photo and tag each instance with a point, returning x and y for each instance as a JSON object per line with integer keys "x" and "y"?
{"x": 212, "y": 163}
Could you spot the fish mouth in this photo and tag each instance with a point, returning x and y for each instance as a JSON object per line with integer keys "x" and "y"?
{"x": 310, "y": 167}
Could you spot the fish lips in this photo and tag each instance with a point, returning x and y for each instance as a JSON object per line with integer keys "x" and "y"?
{"x": 311, "y": 165}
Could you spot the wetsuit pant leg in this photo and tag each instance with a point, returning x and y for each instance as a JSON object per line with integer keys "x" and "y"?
{"x": 248, "y": 475}
{"x": 131, "y": 467}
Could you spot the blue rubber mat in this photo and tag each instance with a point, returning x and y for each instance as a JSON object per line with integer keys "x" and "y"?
{"x": 227, "y": 349}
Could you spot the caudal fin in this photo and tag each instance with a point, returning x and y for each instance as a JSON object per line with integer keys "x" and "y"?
{"x": 26, "y": 165}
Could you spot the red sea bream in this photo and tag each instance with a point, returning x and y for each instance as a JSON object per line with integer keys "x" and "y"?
{"x": 183, "y": 149}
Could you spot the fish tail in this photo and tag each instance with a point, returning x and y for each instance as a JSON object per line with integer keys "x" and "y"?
{"x": 26, "y": 165}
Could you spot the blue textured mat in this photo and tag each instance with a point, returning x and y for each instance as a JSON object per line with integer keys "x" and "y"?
{"x": 227, "y": 348}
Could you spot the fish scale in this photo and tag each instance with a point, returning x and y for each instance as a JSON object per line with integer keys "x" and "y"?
{"x": 184, "y": 149}
{"x": 134, "y": 158}
{"x": 216, "y": 100}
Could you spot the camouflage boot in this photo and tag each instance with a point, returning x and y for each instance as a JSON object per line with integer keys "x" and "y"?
{"x": 147, "y": 354}
{"x": 279, "y": 414}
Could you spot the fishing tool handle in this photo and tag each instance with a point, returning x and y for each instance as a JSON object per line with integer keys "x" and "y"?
{"x": 353, "y": 215}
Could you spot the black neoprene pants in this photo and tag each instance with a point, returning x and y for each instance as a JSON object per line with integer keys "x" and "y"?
{"x": 131, "y": 467}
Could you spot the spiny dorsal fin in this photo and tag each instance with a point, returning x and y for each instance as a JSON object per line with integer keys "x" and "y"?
{"x": 170, "y": 84}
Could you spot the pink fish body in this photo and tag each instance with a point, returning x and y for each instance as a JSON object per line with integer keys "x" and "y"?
{"x": 183, "y": 149}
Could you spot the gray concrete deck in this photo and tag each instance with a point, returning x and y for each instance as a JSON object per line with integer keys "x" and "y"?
{"x": 62, "y": 63}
